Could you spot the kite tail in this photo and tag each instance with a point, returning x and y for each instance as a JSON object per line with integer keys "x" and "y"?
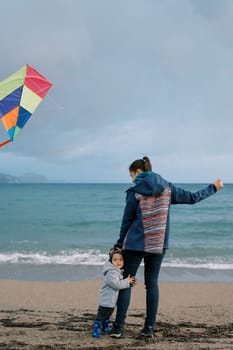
{"x": 5, "y": 142}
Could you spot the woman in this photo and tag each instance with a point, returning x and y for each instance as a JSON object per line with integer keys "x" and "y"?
{"x": 144, "y": 234}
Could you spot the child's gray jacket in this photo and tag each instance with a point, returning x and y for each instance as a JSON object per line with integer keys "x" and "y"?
{"x": 113, "y": 282}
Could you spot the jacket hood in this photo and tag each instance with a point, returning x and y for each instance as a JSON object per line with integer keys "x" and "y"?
{"x": 109, "y": 266}
{"x": 149, "y": 184}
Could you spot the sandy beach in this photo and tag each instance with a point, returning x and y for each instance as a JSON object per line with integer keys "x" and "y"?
{"x": 59, "y": 315}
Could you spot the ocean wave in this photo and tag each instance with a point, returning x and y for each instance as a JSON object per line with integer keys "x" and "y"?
{"x": 92, "y": 257}
{"x": 24, "y": 241}
{"x": 215, "y": 264}
{"x": 95, "y": 257}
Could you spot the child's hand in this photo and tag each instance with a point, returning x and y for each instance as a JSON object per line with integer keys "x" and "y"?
{"x": 132, "y": 280}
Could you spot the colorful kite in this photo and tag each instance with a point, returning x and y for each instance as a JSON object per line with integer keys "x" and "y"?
{"x": 20, "y": 95}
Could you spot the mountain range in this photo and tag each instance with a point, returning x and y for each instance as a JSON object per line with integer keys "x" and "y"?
{"x": 26, "y": 178}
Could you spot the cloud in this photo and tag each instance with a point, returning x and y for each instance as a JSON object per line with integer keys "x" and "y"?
{"x": 129, "y": 78}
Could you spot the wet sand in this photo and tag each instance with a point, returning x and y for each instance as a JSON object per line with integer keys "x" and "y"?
{"x": 59, "y": 315}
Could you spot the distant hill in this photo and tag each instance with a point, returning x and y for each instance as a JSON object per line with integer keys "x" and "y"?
{"x": 26, "y": 178}
{"x": 4, "y": 178}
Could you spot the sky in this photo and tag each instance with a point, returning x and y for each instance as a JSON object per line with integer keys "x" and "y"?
{"x": 130, "y": 78}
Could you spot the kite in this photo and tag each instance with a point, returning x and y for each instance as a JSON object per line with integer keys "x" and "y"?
{"x": 20, "y": 95}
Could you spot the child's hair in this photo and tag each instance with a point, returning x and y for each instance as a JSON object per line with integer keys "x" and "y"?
{"x": 113, "y": 252}
{"x": 144, "y": 164}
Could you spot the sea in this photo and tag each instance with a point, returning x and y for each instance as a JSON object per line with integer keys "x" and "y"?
{"x": 63, "y": 232}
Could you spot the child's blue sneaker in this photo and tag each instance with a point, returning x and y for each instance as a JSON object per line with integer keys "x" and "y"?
{"x": 97, "y": 328}
{"x": 106, "y": 326}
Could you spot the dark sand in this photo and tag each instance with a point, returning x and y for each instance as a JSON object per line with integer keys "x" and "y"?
{"x": 59, "y": 316}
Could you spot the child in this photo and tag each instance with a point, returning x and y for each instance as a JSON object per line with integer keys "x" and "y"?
{"x": 108, "y": 294}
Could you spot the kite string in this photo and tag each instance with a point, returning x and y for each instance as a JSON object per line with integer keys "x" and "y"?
{"x": 59, "y": 106}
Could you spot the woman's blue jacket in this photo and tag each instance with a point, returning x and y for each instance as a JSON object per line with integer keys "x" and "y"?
{"x": 132, "y": 235}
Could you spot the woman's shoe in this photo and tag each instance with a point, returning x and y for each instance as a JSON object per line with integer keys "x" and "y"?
{"x": 117, "y": 332}
{"x": 147, "y": 331}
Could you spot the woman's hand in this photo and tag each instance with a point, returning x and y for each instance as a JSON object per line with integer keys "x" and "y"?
{"x": 218, "y": 184}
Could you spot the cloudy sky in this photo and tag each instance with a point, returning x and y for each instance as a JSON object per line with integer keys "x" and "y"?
{"x": 130, "y": 78}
